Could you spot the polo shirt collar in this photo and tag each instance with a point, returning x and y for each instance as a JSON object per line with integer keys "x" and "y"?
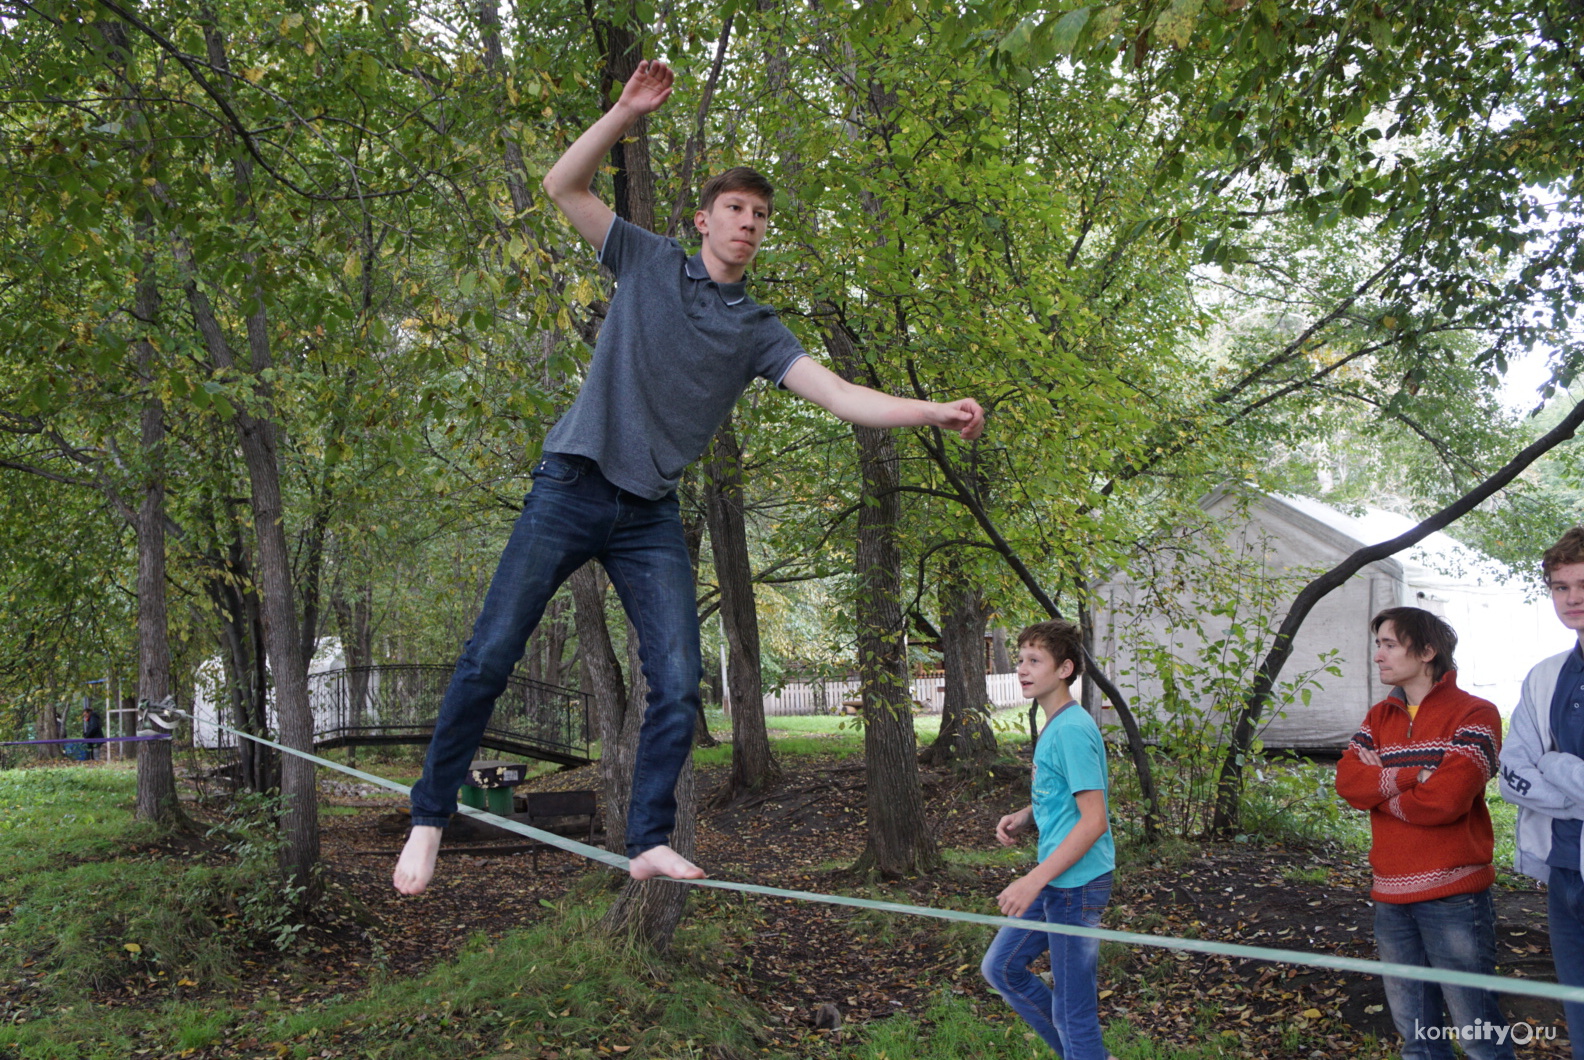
{"x": 1575, "y": 660}
{"x": 731, "y": 293}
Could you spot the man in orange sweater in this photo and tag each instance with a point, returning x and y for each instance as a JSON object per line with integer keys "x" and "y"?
{"x": 1419, "y": 764}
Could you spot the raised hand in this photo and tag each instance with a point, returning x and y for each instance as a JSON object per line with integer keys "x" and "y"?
{"x": 649, "y": 87}
{"x": 963, "y": 416}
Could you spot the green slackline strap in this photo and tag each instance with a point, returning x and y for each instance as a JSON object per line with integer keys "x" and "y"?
{"x": 1444, "y": 976}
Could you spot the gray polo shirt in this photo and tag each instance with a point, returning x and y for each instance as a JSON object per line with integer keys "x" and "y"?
{"x": 675, "y": 352}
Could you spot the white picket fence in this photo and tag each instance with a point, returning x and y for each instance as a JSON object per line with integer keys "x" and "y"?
{"x": 826, "y": 697}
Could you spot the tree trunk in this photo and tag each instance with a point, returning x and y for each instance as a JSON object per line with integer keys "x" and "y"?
{"x": 354, "y": 625}
{"x": 899, "y": 842}
{"x": 966, "y": 739}
{"x": 242, "y": 635}
{"x": 606, "y": 685}
{"x": 753, "y": 766}
{"x": 48, "y": 726}
{"x": 156, "y": 778}
{"x": 633, "y": 177}
{"x": 650, "y": 911}
{"x": 1000, "y": 655}
{"x": 257, "y": 435}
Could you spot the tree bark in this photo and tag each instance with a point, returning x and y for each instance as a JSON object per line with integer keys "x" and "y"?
{"x": 899, "y": 842}
{"x": 258, "y": 437}
{"x": 606, "y": 685}
{"x": 650, "y": 911}
{"x": 235, "y": 601}
{"x": 1229, "y": 784}
{"x": 354, "y": 624}
{"x": 753, "y": 766}
{"x": 966, "y": 740}
{"x": 156, "y": 777}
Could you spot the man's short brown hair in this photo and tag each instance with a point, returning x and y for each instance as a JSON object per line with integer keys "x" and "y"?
{"x": 1418, "y": 630}
{"x": 737, "y": 178}
{"x": 1062, "y": 639}
{"x": 1568, "y": 549}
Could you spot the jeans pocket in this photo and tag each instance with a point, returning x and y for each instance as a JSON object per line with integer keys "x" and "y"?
{"x": 553, "y": 468}
{"x": 1096, "y": 896}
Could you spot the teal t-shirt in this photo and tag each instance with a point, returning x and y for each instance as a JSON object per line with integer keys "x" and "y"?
{"x": 1070, "y": 757}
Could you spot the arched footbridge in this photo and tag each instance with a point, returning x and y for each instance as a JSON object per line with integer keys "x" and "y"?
{"x": 366, "y": 706}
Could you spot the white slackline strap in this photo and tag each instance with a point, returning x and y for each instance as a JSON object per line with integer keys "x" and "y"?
{"x": 1445, "y": 976}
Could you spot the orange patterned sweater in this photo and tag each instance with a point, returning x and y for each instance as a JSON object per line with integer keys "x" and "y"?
{"x": 1431, "y": 839}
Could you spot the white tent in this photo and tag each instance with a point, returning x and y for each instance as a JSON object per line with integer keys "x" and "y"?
{"x": 1504, "y": 625}
{"x": 211, "y": 704}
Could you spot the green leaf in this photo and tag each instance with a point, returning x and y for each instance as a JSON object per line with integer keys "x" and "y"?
{"x": 1176, "y": 24}
{"x": 1016, "y": 43}
{"x": 1068, "y": 29}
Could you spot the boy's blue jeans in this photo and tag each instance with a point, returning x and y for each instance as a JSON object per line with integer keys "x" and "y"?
{"x": 572, "y": 515}
{"x": 1458, "y": 932}
{"x": 1565, "y": 902}
{"x": 1067, "y": 1015}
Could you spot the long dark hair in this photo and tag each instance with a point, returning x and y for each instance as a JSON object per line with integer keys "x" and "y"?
{"x": 1419, "y": 630}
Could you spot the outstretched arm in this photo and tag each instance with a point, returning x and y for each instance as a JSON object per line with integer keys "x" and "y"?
{"x": 568, "y": 181}
{"x": 812, "y": 381}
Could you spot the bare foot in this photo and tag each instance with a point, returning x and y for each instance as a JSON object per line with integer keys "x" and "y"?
{"x": 662, "y": 861}
{"x": 415, "y": 867}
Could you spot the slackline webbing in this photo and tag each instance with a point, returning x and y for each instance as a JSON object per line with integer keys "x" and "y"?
{"x": 82, "y": 739}
{"x": 1444, "y": 976}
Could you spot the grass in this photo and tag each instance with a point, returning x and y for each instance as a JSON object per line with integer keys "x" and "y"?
{"x": 1310, "y": 874}
{"x": 89, "y": 907}
{"x": 557, "y": 985}
{"x": 953, "y": 1027}
{"x": 79, "y": 894}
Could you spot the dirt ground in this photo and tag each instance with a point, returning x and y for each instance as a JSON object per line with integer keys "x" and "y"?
{"x": 800, "y": 956}
{"x": 804, "y": 833}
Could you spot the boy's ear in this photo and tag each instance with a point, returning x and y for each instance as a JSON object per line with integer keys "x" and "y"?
{"x": 700, "y": 221}
{"x": 1065, "y": 670}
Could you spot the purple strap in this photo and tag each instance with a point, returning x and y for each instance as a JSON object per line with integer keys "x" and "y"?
{"x": 82, "y": 739}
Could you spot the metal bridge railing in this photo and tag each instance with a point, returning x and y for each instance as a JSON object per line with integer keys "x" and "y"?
{"x": 398, "y": 703}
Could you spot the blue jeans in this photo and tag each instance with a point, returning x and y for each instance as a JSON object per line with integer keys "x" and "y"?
{"x": 1565, "y": 911}
{"x": 1458, "y": 932}
{"x": 574, "y": 514}
{"x": 1066, "y": 1015}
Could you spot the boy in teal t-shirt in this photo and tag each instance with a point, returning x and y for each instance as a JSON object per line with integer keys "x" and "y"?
{"x": 1072, "y": 882}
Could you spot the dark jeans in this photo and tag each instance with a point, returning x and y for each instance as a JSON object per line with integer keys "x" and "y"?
{"x": 573, "y": 514}
{"x": 1066, "y": 1015}
{"x": 1458, "y": 933}
{"x": 1565, "y": 906}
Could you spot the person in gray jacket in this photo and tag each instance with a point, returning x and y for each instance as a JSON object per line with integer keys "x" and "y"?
{"x": 1542, "y": 773}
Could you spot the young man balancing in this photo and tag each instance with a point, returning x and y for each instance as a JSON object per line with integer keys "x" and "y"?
{"x": 681, "y": 341}
{"x": 1419, "y": 764}
{"x": 1542, "y": 773}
